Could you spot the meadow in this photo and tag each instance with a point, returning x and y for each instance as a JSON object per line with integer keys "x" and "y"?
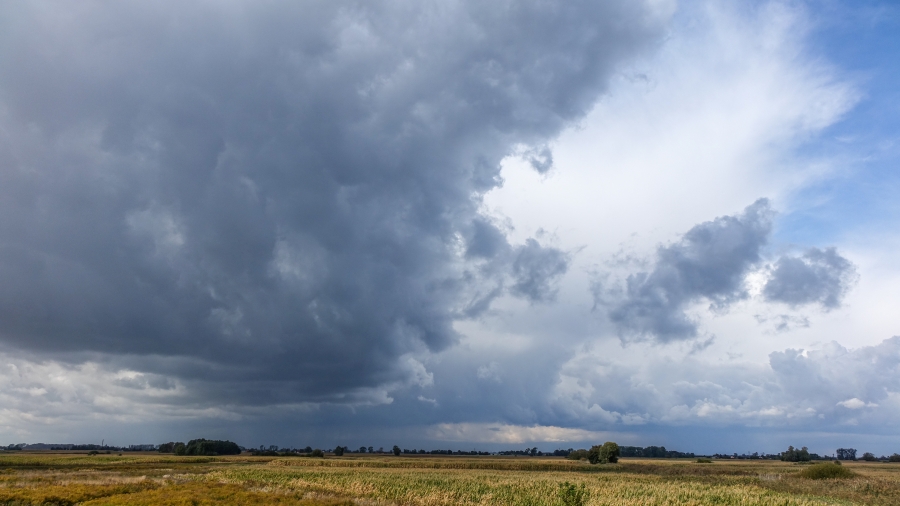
{"x": 73, "y": 479}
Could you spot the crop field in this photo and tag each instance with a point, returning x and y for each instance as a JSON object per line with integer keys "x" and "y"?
{"x": 59, "y": 479}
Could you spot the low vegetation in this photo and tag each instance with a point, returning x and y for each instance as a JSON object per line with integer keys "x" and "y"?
{"x": 110, "y": 479}
{"x": 827, "y": 471}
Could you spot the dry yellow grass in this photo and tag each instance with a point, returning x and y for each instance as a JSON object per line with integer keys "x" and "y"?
{"x": 65, "y": 480}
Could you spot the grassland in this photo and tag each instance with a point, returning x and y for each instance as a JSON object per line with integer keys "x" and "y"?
{"x": 62, "y": 480}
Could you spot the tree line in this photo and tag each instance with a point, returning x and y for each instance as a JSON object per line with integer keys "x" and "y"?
{"x": 201, "y": 447}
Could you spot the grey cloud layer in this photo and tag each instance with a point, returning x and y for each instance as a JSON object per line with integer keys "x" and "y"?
{"x": 276, "y": 195}
{"x": 710, "y": 261}
{"x": 817, "y": 277}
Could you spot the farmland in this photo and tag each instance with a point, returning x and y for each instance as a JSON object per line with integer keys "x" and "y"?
{"x": 69, "y": 479}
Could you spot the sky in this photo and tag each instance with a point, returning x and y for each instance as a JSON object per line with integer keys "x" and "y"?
{"x": 451, "y": 224}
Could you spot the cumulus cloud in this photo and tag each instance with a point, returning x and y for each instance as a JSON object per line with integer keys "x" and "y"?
{"x": 823, "y": 386}
{"x": 535, "y": 269}
{"x": 709, "y": 263}
{"x": 280, "y": 202}
{"x": 511, "y": 434}
{"x": 817, "y": 277}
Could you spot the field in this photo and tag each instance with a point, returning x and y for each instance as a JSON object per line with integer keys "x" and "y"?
{"x": 59, "y": 479}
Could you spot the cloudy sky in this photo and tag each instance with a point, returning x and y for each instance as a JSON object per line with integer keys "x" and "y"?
{"x": 451, "y": 224}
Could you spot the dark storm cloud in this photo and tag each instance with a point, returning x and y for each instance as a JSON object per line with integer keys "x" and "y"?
{"x": 535, "y": 269}
{"x": 283, "y": 199}
{"x": 817, "y": 277}
{"x": 708, "y": 263}
{"x": 541, "y": 159}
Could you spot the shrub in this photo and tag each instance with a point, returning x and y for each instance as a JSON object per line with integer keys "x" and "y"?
{"x": 317, "y": 453}
{"x": 826, "y": 471}
{"x": 704, "y": 461}
{"x": 570, "y": 495}
{"x": 578, "y": 455}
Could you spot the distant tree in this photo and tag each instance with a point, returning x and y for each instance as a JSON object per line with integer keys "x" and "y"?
{"x": 212, "y": 447}
{"x": 794, "y": 455}
{"x": 607, "y": 453}
{"x": 396, "y": 450}
{"x": 180, "y": 449}
{"x": 894, "y": 458}
{"x": 371, "y": 450}
{"x": 167, "y": 448}
{"x": 317, "y": 453}
{"x": 846, "y": 453}
{"x": 869, "y": 457}
{"x": 338, "y": 451}
{"x": 533, "y": 451}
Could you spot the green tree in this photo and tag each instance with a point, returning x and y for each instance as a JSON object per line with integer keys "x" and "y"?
{"x": 607, "y": 453}
{"x": 338, "y": 451}
{"x": 180, "y": 449}
{"x": 795, "y": 455}
{"x": 396, "y": 450}
{"x": 211, "y": 447}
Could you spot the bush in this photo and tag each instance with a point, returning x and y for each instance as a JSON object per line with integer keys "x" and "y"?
{"x": 578, "y": 455}
{"x": 826, "y": 471}
{"x": 608, "y": 453}
{"x": 317, "y": 453}
{"x": 570, "y": 495}
{"x": 704, "y": 461}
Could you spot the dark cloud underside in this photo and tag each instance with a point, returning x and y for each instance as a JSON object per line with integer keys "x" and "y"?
{"x": 275, "y": 194}
{"x": 817, "y": 277}
{"x": 710, "y": 263}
